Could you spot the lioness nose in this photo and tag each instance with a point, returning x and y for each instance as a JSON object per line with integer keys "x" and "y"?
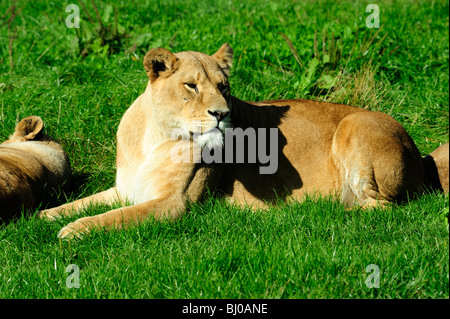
{"x": 219, "y": 115}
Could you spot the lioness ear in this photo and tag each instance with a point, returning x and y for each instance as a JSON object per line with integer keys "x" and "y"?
{"x": 224, "y": 57}
{"x": 30, "y": 128}
{"x": 159, "y": 60}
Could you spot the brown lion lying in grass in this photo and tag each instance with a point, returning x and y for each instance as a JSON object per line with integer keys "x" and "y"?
{"x": 31, "y": 163}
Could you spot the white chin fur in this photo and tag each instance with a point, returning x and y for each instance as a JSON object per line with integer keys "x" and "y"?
{"x": 212, "y": 139}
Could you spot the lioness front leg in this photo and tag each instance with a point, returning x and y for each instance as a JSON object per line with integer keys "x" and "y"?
{"x": 106, "y": 197}
{"x": 169, "y": 207}
{"x": 176, "y": 185}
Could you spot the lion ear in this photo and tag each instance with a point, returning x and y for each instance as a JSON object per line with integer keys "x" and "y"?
{"x": 159, "y": 60}
{"x": 224, "y": 57}
{"x": 30, "y": 128}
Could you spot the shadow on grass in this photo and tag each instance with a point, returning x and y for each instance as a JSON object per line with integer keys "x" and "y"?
{"x": 73, "y": 188}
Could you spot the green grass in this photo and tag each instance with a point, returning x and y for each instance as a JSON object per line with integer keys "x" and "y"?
{"x": 311, "y": 250}
{"x": 315, "y": 249}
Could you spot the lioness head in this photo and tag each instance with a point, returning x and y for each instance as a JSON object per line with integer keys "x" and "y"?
{"x": 190, "y": 91}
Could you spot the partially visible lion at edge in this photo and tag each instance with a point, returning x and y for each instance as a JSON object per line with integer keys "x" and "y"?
{"x": 32, "y": 165}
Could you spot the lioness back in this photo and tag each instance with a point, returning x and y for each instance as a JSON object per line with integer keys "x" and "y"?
{"x": 307, "y": 163}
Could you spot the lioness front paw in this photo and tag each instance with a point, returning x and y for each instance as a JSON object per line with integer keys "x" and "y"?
{"x": 78, "y": 228}
{"x": 49, "y": 214}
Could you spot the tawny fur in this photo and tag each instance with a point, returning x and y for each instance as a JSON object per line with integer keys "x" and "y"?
{"x": 31, "y": 163}
{"x": 362, "y": 157}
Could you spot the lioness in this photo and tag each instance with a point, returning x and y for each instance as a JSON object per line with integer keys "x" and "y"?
{"x": 362, "y": 157}
{"x": 30, "y": 163}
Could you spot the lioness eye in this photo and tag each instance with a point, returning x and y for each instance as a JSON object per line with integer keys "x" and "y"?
{"x": 224, "y": 88}
{"x": 192, "y": 86}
